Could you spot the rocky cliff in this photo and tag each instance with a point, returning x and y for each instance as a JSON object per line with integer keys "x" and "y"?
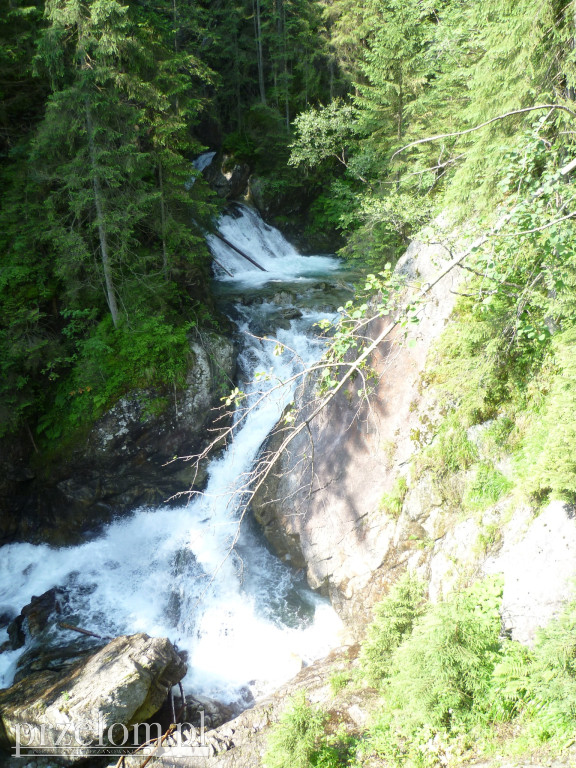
{"x": 347, "y": 501}
{"x": 325, "y": 509}
{"x": 125, "y": 460}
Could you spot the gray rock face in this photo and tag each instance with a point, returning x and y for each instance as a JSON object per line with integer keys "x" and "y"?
{"x": 227, "y": 178}
{"x": 122, "y": 684}
{"x": 327, "y": 488}
{"x": 127, "y": 458}
{"x": 538, "y": 561}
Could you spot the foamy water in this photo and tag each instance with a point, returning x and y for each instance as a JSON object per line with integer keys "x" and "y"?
{"x": 245, "y": 618}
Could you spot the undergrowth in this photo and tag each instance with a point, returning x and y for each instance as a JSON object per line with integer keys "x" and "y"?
{"x": 452, "y": 688}
{"x": 106, "y": 363}
{"x": 391, "y": 503}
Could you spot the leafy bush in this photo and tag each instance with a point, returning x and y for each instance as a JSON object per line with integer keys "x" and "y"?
{"x": 295, "y": 741}
{"x": 394, "y": 619}
{"x": 487, "y": 486}
{"x": 452, "y": 451}
{"x": 552, "y": 678}
{"x": 441, "y": 674}
{"x": 548, "y": 462}
{"x": 391, "y": 503}
{"x": 339, "y": 680}
{"x": 539, "y": 686}
{"x": 151, "y": 353}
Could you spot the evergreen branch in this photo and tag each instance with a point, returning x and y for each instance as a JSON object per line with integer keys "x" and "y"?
{"x": 482, "y": 125}
{"x": 438, "y": 167}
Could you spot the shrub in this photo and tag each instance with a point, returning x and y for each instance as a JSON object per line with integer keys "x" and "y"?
{"x": 441, "y": 674}
{"x": 296, "y": 740}
{"x": 150, "y": 353}
{"x": 391, "y": 503}
{"x": 548, "y": 463}
{"x": 552, "y": 678}
{"x": 487, "y": 486}
{"x": 394, "y": 619}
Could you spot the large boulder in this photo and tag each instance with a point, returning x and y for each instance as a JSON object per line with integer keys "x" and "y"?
{"x": 52, "y": 642}
{"x": 227, "y": 177}
{"x": 321, "y": 505}
{"x": 122, "y": 684}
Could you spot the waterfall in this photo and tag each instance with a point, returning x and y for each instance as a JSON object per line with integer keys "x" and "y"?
{"x": 245, "y": 618}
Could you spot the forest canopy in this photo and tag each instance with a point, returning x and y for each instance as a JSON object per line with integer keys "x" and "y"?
{"x": 105, "y": 104}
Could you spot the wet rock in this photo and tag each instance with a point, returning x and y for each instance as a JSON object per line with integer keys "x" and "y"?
{"x": 283, "y": 298}
{"x": 127, "y": 459}
{"x": 41, "y": 626}
{"x": 34, "y": 617}
{"x": 292, "y": 313}
{"x": 57, "y": 657}
{"x": 121, "y": 684}
{"x": 202, "y": 710}
{"x": 7, "y": 615}
{"x": 227, "y": 177}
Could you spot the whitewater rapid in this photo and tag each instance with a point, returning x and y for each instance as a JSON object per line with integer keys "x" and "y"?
{"x": 246, "y": 620}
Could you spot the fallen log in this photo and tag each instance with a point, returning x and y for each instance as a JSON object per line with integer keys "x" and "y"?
{"x": 64, "y": 625}
{"x": 238, "y": 250}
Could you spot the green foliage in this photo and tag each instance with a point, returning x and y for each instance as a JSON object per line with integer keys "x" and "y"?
{"x": 110, "y": 362}
{"x": 452, "y": 678}
{"x": 339, "y": 681}
{"x": 95, "y": 216}
{"x": 487, "y": 486}
{"x": 394, "y": 619}
{"x": 391, "y": 503}
{"x": 450, "y": 454}
{"x": 452, "y": 450}
{"x": 383, "y": 225}
{"x": 346, "y": 333}
{"x": 508, "y": 354}
{"x": 552, "y": 679}
{"x": 539, "y": 686}
{"x": 509, "y": 690}
{"x": 496, "y": 439}
{"x": 295, "y": 742}
{"x": 335, "y": 208}
{"x": 442, "y": 672}
{"x": 547, "y": 464}
{"x": 324, "y": 133}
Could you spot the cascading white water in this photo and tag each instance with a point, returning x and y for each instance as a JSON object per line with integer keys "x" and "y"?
{"x": 245, "y": 618}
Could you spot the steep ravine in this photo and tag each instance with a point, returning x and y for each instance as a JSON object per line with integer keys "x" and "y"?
{"x": 326, "y": 514}
{"x": 196, "y": 571}
{"x": 329, "y": 518}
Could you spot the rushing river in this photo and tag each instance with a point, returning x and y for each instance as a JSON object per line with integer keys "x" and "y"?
{"x": 246, "y": 619}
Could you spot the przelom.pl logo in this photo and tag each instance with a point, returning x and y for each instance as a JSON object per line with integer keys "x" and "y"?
{"x": 95, "y": 739}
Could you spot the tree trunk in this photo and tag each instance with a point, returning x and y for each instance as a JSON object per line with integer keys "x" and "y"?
{"x": 400, "y": 106}
{"x": 99, "y": 205}
{"x": 285, "y": 63}
{"x": 259, "y": 51}
{"x": 163, "y": 223}
{"x": 175, "y": 24}
{"x": 400, "y": 121}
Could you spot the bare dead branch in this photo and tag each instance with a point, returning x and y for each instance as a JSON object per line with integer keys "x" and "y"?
{"x": 482, "y": 125}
